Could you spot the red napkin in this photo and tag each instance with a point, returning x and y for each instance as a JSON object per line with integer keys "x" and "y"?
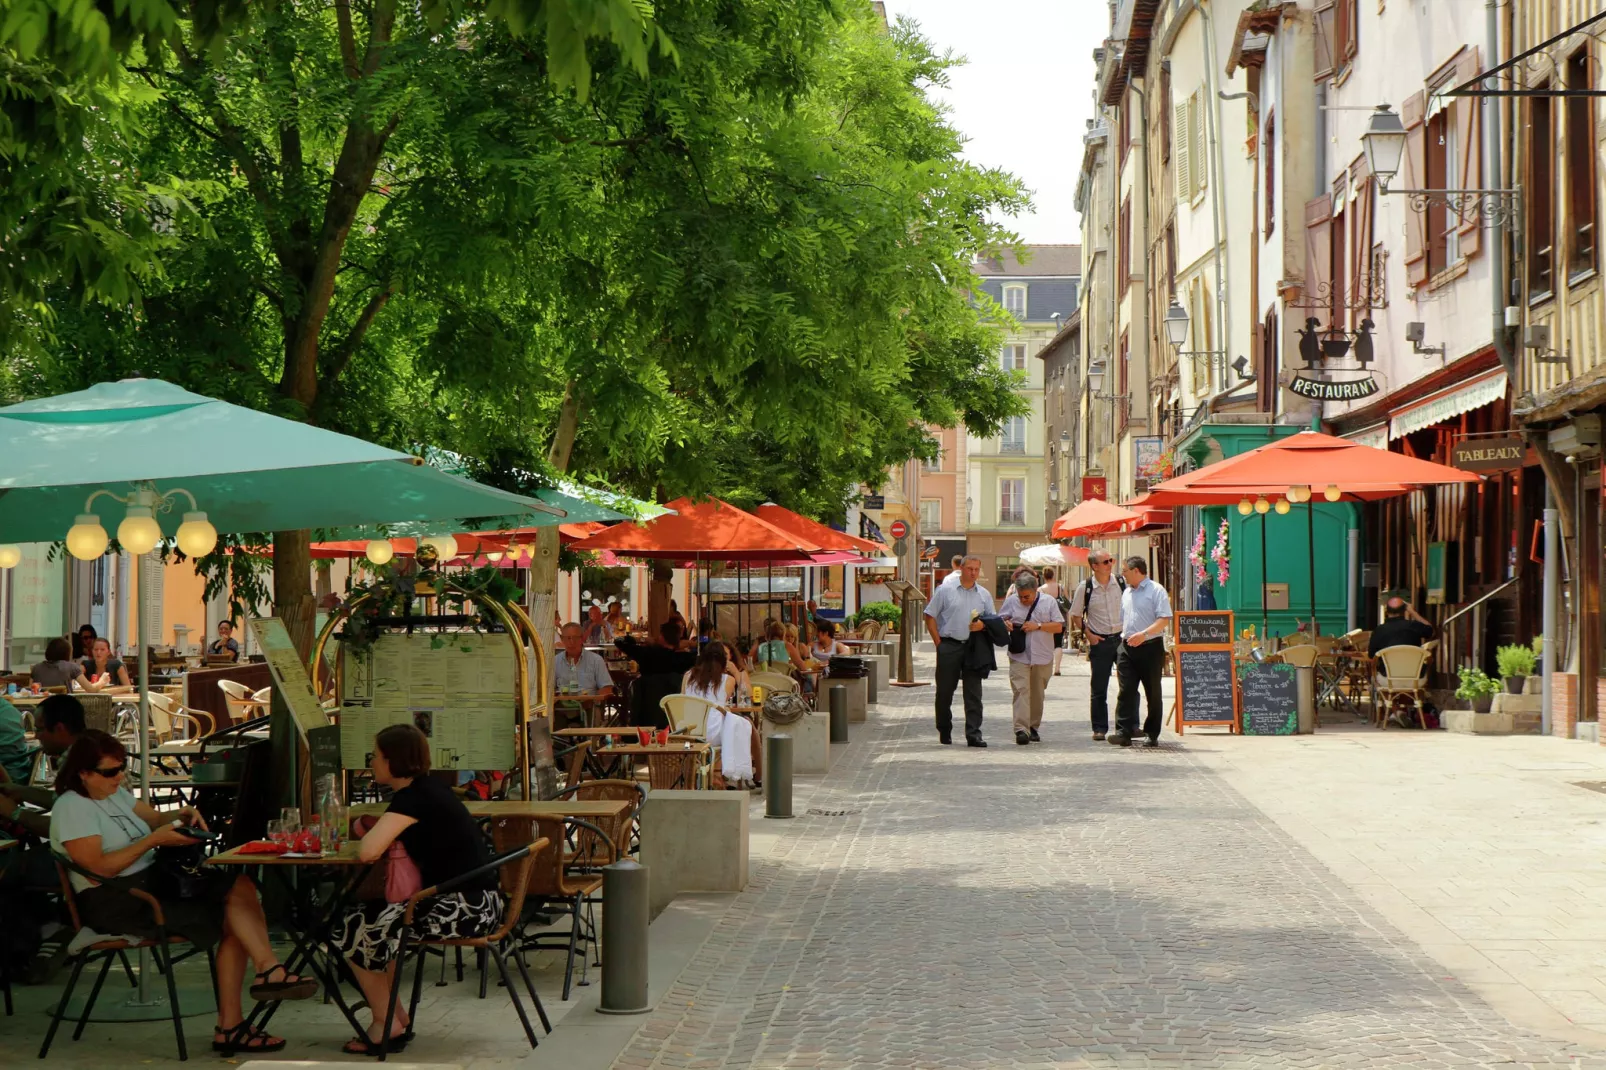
{"x": 262, "y": 847}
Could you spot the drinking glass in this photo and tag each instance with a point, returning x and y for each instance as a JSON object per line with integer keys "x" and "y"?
{"x": 276, "y": 831}
{"x": 663, "y": 737}
{"x": 644, "y": 735}
{"x": 290, "y": 816}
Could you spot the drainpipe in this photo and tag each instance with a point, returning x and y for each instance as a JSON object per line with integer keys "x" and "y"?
{"x": 1142, "y": 185}
{"x": 1113, "y": 164}
{"x": 1547, "y": 653}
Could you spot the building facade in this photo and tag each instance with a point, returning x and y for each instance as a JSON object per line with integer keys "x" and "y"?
{"x": 1061, "y": 357}
{"x": 1005, "y": 482}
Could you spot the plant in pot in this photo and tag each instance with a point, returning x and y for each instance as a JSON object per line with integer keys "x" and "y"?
{"x": 1516, "y": 664}
{"x": 1477, "y": 688}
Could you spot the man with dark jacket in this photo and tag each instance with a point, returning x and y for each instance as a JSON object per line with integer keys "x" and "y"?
{"x": 661, "y": 666}
{"x": 953, "y": 618}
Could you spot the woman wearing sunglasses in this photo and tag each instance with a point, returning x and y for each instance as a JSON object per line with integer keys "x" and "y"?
{"x": 103, "y": 829}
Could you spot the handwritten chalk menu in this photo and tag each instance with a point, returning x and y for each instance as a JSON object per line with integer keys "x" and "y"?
{"x": 291, "y": 681}
{"x": 1269, "y": 693}
{"x": 1206, "y": 691}
{"x": 1211, "y": 628}
{"x": 1205, "y": 687}
{"x": 458, "y": 688}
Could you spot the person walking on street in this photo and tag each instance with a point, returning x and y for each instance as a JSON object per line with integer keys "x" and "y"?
{"x": 952, "y": 615}
{"x": 956, "y": 572}
{"x": 1145, "y": 616}
{"x": 1050, "y": 588}
{"x": 1096, "y": 610}
{"x": 1034, "y": 620}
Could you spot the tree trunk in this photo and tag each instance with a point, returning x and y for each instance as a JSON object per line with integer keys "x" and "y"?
{"x": 292, "y": 588}
{"x": 544, "y": 597}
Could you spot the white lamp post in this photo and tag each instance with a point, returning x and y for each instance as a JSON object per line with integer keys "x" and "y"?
{"x": 1384, "y": 142}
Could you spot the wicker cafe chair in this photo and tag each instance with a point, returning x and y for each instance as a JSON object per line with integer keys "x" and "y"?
{"x": 106, "y": 951}
{"x": 1402, "y": 673}
{"x": 774, "y": 682}
{"x": 552, "y": 887}
{"x": 591, "y": 852}
{"x": 1302, "y": 656}
{"x": 515, "y": 866}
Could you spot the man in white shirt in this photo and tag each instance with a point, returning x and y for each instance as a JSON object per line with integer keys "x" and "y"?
{"x": 1037, "y": 617}
{"x": 951, "y": 617}
{"x": 1145, "y": 618}
{"x": 952, "y": 579}
{"x": 1096, "y": 611}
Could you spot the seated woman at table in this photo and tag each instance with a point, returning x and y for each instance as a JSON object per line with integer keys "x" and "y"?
{"x": 98, "y": 824}
{"x": 444, "y": 842}
{"x": 58, "y": 669}
{"x": 730, "y": 732}
{"x": 618, "y": 623}
{"x": 736, "y": 667}
{"x": 101, "y": 663}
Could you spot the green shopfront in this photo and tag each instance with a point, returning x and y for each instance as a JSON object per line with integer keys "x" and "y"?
{"x": 1268, "y": 555}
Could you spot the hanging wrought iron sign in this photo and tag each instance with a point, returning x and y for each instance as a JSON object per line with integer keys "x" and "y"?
{"x": 1317, "y": 345}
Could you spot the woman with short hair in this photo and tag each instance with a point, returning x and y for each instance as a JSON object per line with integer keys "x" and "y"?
{"x": 58, "y": 669}
{"x": 103, "y": 829}
{"x": 444, "y": 841}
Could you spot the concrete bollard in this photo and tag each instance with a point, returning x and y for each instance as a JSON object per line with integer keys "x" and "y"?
{"x": 778, "y": 775}
{"x": 839, "y": 714}
{"x": 624, "y": 939}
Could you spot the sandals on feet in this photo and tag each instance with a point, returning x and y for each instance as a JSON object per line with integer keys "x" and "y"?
{"x": 289, "y": 986}
{"x": 364, "y": 1046}
{"x": 241, "y": 1038}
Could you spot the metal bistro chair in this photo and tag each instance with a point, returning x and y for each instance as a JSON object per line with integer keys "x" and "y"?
{"x": 112, "y": 949}
{"x": 590, "y": 852}
{"x": 1402, "y": 673}
{"x": 514, "y": 866}
{"x": 553, "y": 887}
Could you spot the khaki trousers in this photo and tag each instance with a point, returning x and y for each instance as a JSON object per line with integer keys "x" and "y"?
{"x": 1027, "y": 684}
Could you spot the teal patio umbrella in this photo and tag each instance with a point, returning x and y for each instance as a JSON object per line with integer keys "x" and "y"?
{"x": 151, "y": 460}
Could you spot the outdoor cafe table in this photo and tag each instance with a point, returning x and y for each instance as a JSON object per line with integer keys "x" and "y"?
{"x": 311, "y": 924}
{"x": 671, "y": 766}
{"x": 589, "y": 700}
{"x": 488, "y": 809}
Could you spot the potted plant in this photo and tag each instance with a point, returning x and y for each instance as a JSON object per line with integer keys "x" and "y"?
{"x": 1477, "y": 689}
{"x": 1516, "y": 664}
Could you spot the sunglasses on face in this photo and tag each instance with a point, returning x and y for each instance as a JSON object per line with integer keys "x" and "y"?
{"x": 110, "y": 771}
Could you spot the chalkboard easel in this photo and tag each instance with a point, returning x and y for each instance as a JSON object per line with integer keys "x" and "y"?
{"x": 1207, "y": 686}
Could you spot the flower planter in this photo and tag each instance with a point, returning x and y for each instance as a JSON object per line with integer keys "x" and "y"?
{"x": 1514, "y": 684}
{"x": 1482, "y": 704}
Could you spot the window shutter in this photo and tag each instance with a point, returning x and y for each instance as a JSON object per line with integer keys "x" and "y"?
{"x": 1411, "y": 173}
{"x": 1468, "y": 122}
{"x": 1198, "y": 160}
{"x": 152, "y": 574}
{"x": 1360, "y": 254}
{"x": 1180, "y": 150}
{"x": 1325, "y": 24}
{"x": 1318, "y": 249}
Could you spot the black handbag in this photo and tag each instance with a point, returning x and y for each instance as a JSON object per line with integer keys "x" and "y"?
{"x": 1017, "y": 637}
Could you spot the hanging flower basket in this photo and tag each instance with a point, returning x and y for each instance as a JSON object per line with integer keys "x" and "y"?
{"x": 1220, "y": 555}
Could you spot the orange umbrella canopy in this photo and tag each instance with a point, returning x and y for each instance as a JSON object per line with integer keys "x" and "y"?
{"x": 1307, "y": 459}
{"x": 827, "y": 537}
{"x": 1095, "y": 517}
{"x": 712, "y": 530}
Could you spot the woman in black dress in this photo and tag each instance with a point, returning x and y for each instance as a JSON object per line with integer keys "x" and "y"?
{"x": 444, "y": 842}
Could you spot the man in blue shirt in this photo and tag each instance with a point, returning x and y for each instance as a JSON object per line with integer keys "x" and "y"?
{"x": 954, "y": 613}
{"x": 1145, "y": 616}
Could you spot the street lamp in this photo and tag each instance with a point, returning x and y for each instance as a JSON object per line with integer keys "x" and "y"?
{"x": 1176, "y": 325}
{"x": 1095, "y": 383}
{"x": 1384, "y": 142}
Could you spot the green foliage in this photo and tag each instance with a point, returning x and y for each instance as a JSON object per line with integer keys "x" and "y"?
{"x": 749, "y": 271}
{"x": 1515, "y": 660}
{"x": 885, "y": 612}
{"x": 1476, "y": 684}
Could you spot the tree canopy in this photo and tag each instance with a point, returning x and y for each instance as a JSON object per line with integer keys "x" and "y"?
{"x": 724, "y": 248}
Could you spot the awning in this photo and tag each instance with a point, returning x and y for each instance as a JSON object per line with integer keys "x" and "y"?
{"x": 1447, "y": 404}
{"x": 1376, "y": 436}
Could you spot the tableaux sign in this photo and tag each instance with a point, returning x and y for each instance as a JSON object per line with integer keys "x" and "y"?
{"x": 1207, "y": 692}
{"x": 1269, "y": 693}
{"x": 1489, "y": 454}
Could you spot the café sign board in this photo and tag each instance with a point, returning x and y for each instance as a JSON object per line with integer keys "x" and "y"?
{"x": 1322, "y": 390}
{"x": 1489, "y": 454}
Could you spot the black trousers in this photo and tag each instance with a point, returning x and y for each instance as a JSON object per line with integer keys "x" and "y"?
{"x": 1101, "y": 657}
{"x": 1136, "y": 665}
{"x": 950, "y": 673}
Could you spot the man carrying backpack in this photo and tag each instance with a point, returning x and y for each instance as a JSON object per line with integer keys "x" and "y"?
{"x": 1096, "y": 611}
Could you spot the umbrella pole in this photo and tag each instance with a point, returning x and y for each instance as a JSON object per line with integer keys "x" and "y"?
{"x": 143, "y": 996}
{"x": 1265, "y": 636}
{"x": 1310, "y": 527}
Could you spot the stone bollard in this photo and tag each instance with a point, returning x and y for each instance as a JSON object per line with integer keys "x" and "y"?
{"x": 778, "y": 776}
{"x": 624, "y": 939}
{"x": 839, "y": 714}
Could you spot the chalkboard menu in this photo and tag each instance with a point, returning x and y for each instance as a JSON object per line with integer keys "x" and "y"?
{"x": 1269, "y": 693}
{"x": 1204, "y": 687}
{"x": 1212, "y": 628}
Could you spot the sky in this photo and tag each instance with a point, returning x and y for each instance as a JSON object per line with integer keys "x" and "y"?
{"x": 1024, "y": 97}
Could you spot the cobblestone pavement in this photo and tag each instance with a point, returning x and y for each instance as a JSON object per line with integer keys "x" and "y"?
{"x": 1061, "y": 905}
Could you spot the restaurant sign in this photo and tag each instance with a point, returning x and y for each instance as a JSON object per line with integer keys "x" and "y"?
{"x": 1094, "y": 488}
{"x": 1321, "y": 390}
{"x": 1489, "y": 454}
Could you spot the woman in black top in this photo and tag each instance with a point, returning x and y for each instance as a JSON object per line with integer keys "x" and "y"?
{"x": 444, "y": 842}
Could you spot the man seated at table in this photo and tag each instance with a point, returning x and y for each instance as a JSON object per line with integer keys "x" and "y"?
{"x": 661, "y": 666}
{"x": 225, "y": 644}
{"x": 597, "y": 630}
{"x": 1402, "y": 626}
{"x": 58, "y": 722}
{"x": 577, "y": 670}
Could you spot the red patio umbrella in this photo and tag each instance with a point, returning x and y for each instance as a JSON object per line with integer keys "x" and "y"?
{"x": 827, "y": 537}
{"x": 710, "y": 530}
{"x": 1095, "y": 517}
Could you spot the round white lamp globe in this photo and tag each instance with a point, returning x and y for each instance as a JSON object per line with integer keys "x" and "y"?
{"x": 379, "y": 551}
{"x": 87, "y": 540}
{"x": 196, "y": 536}
{"x": 10, "y": 556}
